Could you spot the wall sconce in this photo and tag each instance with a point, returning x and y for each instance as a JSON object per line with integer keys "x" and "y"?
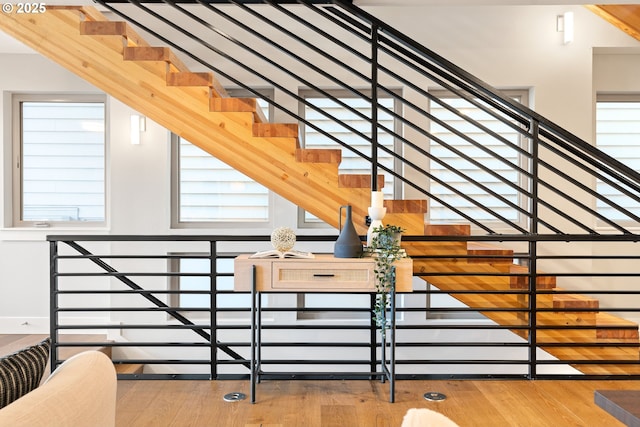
{"x": 138, "y": 125}
{"x": 565, "y": 25}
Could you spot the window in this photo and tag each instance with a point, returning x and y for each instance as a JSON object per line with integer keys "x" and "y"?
{"x": 59, "y": 160}
{"x": 354, "y": 112}
{"x": 196, "y": 283}
{"x": 212, "y": 191}
{"x": 207, "y": 191}
{"x": 618, "y": 134}
{"x": 438, "y": 212}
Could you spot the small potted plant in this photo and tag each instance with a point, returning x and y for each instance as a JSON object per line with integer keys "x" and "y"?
{"x": 385, "y": 249}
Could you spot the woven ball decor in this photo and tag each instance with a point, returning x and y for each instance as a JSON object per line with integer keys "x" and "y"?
{"x": 283, "y": 238}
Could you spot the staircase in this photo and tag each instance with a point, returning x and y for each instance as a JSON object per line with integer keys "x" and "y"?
{"x": 153, "y": 81}
{"x": 73, "y": 344}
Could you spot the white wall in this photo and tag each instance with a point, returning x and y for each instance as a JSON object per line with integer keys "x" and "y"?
{"x": 508, "y": 47}
{"x": 24, "y": 254}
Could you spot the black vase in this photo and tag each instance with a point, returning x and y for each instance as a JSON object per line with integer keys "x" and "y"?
{"x": 348, "y": 244}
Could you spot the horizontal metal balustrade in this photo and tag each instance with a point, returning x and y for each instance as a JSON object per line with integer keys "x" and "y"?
{"x": 124, "y": 281}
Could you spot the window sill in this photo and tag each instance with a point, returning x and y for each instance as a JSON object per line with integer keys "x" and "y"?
{"x": 21, "y": 234}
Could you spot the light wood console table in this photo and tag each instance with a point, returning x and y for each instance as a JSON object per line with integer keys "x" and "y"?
{"x": 324, "y": 273}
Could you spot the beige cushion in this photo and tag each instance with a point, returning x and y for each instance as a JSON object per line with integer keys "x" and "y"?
{"x": 426, "y": 418}
{"x": 80, "y": 393}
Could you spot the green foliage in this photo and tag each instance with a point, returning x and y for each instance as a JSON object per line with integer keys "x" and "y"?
{"x": 385, "y": 249}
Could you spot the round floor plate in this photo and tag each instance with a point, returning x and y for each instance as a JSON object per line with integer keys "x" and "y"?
{"x": 234, "y": 397}
{"x": 434, "y": 396}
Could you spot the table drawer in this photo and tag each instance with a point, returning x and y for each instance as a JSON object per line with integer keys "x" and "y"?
{"x": 319, "y": 275}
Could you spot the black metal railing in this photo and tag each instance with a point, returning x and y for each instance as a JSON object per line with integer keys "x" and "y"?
{"x": 320, "y": 44}
{"x": 478, "y": 321}
{"x": 560, "y": 226}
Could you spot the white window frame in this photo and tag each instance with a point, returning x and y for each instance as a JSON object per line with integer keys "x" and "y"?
{"x": 17, "y": 99}
{"x": 605, "y": 97}
{"x": 519, "y": 95}
{"x": 396, "y": 190}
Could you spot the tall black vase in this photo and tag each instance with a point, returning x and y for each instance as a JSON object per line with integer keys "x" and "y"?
{"x": 348, "y": 244}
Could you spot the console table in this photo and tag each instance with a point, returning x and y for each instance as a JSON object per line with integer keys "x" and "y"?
{"x": 324, "y": 273}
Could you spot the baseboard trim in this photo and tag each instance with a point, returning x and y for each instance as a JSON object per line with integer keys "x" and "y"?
{"x": 40, "y": 325}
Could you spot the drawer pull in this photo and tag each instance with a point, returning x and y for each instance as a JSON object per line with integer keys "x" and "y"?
{"x": 323, "y": 275}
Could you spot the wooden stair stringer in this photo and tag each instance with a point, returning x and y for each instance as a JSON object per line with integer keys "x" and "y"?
{"x": 626, "y": 17}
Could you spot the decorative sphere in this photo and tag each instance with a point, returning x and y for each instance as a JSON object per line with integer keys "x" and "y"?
{"x": 283, "y": 238}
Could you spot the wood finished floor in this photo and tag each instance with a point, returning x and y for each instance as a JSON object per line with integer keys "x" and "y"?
{"x": 336, "y": 403}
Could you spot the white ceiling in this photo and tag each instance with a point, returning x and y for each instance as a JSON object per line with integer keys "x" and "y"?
{"x": 483, "y": 2}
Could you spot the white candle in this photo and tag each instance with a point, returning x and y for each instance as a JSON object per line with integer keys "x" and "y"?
{"x": 377, "y": 199}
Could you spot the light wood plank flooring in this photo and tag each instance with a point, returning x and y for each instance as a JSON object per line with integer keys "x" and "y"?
{"x": 491, "y": 403}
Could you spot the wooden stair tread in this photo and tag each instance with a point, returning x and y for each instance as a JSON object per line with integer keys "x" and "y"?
{"x": 67, "y": 352}
{"x": 447, "y": 229}
{"x": 129, "y": 368}
{"x": 112, "y": 28}
{"x": 188, "y": 79}
{"x": 358, "y": 181}
{"x": 405, "y": 206}
{"x": 522, "y": 282}
{"x": 425, "y": 248}
{"x": 79, "y": 341}
{"x": 568, "y": 301}
{"x": 316, "y": 155}
{"x": 154, "y": 53}
{"x": 275, "y": 130}
{"x": 238, "y": 105}
{"x": 612, "y": 328}
{"x": 488, "y": 253}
